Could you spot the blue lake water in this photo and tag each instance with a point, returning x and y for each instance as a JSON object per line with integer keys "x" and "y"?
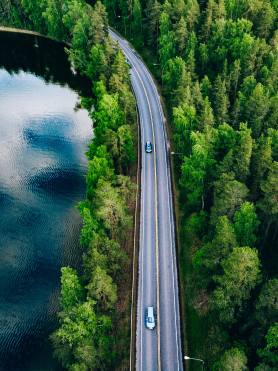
{"x": 42, "y": 168}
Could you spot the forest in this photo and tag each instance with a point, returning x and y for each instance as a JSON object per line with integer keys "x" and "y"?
{"x": 218, "y": 68}
{"x": 218, "y": 71}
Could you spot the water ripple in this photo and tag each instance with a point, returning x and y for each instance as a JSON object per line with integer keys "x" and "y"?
{"x": 42, "y": 163}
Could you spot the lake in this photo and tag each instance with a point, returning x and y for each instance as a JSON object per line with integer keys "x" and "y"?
{"x": 43, "y": 138}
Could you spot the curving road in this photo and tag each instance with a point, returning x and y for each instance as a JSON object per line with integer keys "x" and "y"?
{"x": 157, "y": 281}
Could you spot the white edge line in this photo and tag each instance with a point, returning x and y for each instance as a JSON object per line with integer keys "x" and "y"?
{"x": 134, "y": 244}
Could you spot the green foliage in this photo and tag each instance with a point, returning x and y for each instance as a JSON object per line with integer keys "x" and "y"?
{"x": 72, "y": 291}
{"x": 197, "y": 168}
{"x": 34, "y": 9}
{"x": 269, "y": 204}
{"x": 241, "y": 275}
{"x": 111, "y": 209}
{"x": 270, "y": 352}
{"x": 198, "y": 223}
{"x": 98, "y": 167}
{"x": 89, "y": 226}
{"x": 53, "y": 15}
{"x": 83, "y": 337}
{"x": 267, "y": 304}
{"x": 102, "y": 288}
{"x": 243, "y": 153}
{"x": 225, "y": 142}
{"x": 246, "y": 225}
{"x": 222, "y": 244}
{"x": 265, "y": 367}
{"x": 229, "y": 195}
{"x": 233, "y": 360}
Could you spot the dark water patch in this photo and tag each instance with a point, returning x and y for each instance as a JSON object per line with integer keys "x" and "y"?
{"x": 42, "y": 57}
{"x": 42, "y": 168}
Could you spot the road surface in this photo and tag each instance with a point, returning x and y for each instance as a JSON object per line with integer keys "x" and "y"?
{"x": 158, "y": 349}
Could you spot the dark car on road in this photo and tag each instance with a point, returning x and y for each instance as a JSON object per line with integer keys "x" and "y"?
{"x": 128, "y": 62}
{"x": 148, "y": 147}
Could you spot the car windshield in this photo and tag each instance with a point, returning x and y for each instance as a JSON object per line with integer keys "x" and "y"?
{"x": 150, "y": 319}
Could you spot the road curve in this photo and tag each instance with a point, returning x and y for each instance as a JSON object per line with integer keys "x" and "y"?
{"x": 157, "y": 283}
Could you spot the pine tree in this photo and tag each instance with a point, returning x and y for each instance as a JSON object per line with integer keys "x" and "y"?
{"x": 269, "y": 187}
{"x": 225, "y": 141}
{"x": 221, "y": 9}
{"x": 262, "y": 160}
{"x": 266, "y": 305}
{"x": 229, "y": 195}
{"x": 53, "y": 17}
{"x": 269, "y": 353}
{"x": 246, "y": 225}
{"x": 185, "y": 122}
{"x": 243, "y": 154}
{"x": 204, "y": 53}
{"x": 196, "y": 169}
{"x": 257, "y": 108}
{"x": 154, "y": 17}
{"x": 102, "y": 289}
{"x": 137, "y": 18}
{"x": 181, "y": 36}
{"x": 192, "y": 14}
{"x": 241, "y": 274}
{"x": 235, "y": 76}
{"x": 206, "y": 117}
{"x": 266, "y": 19}
{"x": 212, "y": 253}
{"x": 209, "y": 18}
{"x": 221, "y": 100}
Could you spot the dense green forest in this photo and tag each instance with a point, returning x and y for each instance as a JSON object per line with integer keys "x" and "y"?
{"x": 218, "y": 67}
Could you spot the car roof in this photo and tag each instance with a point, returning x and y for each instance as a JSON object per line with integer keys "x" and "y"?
{"x": 150, "y": 311}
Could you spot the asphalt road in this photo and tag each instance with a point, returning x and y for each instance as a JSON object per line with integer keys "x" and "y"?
{"x": 161, "y": 346}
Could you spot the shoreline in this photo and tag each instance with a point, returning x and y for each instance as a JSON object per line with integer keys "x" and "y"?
{"x": 28, "y": 32}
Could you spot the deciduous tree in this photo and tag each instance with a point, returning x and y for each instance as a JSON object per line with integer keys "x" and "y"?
{"x": 233, "y": 360}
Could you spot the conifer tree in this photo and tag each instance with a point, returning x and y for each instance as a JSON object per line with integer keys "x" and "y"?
{"x": 154, "y": 17}
{"x": 235, "y": 76}
{"x": 181, "y": 36}
{"x": 229, "y": 195}
{"x": 102, "y": 289}
{"x": 241, "y": 274}
{"x": 262, "y": 161}
{"x": 266, "y": 305}
{"x": 213, "y": 252}
{"x": 243, "y": 154}
{"x": 206, "y": 117}
{"x": 192, "y": 14}
{"x": 209, "y": 14}
{"x": 269, "y": 187}
{"x": 246, "y": 225}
